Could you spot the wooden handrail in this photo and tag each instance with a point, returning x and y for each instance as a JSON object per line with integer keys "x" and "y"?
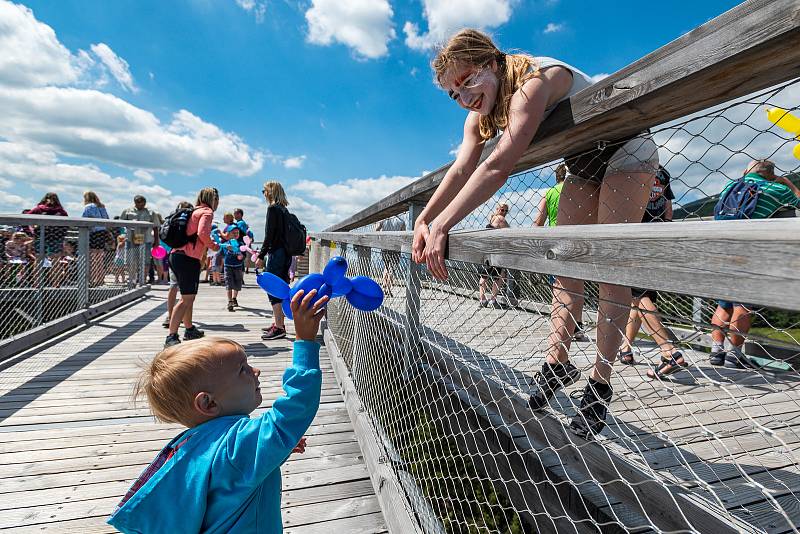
{"x": 731, "y": 260}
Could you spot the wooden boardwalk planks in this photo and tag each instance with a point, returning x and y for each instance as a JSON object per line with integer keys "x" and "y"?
{"x": 72, "y": 440}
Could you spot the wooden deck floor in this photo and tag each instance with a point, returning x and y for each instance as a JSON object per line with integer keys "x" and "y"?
{"x": 738, "y": 431}
{"x": 71, "y": 441}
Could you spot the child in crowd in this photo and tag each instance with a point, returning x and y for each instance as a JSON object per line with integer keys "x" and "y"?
{"x": 234, "y": 266}
{"x": 223, "y": 473}
{"x": 119, "y": 260}
{"x": 18, "y": 256}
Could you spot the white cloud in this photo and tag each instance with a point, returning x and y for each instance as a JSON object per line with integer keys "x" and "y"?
{"x": 40, "y": 169}
{"x": 294, "y": 162}
{"x": 454, "y": 151}
{"x": 44, "y": 100}
{"x": 363, "y": 25}
{"x": 319, "y": 205}
{"x": 257, "y": 7}
{"x": 116, "y": 65}
{"x": 144, "y": 176}
{"x": 446, "y": 16}
{"x": 553, "y": 27}
{"x": 30, "y": 53}
{"x": 597, "y": 77}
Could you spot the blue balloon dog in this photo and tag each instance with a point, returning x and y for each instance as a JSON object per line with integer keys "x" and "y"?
{"x": 362, "y": 292}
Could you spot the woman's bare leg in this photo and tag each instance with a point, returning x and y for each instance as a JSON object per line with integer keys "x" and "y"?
{"x": 623, "y": 197}
{"x": 578, "y": 205}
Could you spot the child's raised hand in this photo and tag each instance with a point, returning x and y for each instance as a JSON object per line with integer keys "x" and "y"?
{"x": 307, "y": 317}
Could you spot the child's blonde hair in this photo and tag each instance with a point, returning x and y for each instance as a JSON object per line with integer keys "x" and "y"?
{"x": 177, "y": 374}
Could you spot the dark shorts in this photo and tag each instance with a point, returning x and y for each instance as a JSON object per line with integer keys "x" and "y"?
{"x": 638, "y": 292}
{"x": 492, "y": 272}
{"x": 98, "y": 240}
{"x": 234, "y": 277}
{"x": 187, "y": 272}
{"x": 728, "y": 305}
{"x": 278, "y": 264}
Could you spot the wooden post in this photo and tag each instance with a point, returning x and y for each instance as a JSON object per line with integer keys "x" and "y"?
{"x": 84, "y": 267}
{"x": 411, "y": 342}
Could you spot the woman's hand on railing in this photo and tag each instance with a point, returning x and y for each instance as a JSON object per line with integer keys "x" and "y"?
{"x": 435, "y": 248}
{"x": 420, "y": 240}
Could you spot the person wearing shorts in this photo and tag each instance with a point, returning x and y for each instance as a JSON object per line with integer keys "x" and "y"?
{"x": 185, "y": 263}
{"x": 643, "y": 303}
{"x": 390, "y": 258}
{"x": 234, "y": 267}
{"x": 495, "y": 274}
{"x": 510, "y": 94}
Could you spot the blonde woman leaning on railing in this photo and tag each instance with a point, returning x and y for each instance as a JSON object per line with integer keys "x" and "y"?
{"x": 514, "y": 93}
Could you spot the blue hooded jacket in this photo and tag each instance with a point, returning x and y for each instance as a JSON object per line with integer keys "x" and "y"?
{"x": 225, "y": 474}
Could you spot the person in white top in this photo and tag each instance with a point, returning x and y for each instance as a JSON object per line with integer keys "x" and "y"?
{"x": 512, "y": 94}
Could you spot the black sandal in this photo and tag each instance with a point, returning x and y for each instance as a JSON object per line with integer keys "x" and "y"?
{"x": 675, "y": 363}
{"x": 626, "y": 357}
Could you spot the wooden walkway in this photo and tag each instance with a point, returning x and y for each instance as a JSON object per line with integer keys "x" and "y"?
{"x": 71, "y": 440}
{"x": 733, "y": 436}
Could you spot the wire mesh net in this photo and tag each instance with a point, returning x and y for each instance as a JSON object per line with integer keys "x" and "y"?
{"x": 50, "y": 270}
{"x": 701, "y": 424}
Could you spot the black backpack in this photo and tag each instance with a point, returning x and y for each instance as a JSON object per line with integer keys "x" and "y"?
{"x": 294, "y": 236}
{"x": 173, "y": 231}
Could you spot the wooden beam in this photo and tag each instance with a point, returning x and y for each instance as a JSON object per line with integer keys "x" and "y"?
{"x": 751, "y": 47}
{"x": 743, "y": 261}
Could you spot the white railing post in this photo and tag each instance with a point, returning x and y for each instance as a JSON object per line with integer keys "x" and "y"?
{"x": 84, "y": 267}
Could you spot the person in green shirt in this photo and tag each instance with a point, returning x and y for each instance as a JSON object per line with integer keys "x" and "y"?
{"x": 778, "y": 197}
{"x": 548, "y": 212}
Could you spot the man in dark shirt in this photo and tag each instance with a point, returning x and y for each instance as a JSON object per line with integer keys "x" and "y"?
{"x": 659, "y": 208}
{"x": 643, "y": 307}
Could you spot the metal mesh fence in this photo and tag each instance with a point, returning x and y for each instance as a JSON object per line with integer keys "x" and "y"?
{"x": 51, "y": 269}
{"x": 449, "y": 371}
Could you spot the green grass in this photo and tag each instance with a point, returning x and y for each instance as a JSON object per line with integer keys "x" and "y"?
{"x": 788, "y": 335}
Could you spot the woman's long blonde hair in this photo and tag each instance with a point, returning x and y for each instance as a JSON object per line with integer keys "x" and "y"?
{"x": 207, "y": 196}
{"x": 475, "y": 48}
{"x": 90, "y": 197}
{"x": 275, "y": 193}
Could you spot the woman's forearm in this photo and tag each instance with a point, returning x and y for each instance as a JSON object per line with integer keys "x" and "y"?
{"x": 452, "y": 182}
{"x": 483, "y": 183}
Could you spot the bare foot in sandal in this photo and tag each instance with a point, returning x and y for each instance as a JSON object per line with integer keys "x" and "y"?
{"x": 626, "y": 357}
{"x": 669, "y": 366}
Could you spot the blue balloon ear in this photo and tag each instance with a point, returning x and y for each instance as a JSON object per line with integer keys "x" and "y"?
{"x": 342, "y": 287}
{"x": 335, "y": 270}
{"x": 367, "y": 286}
{"x": 287, "y": 308}
{"x": 273, "y": 285}
{"x": 364, "y": 302}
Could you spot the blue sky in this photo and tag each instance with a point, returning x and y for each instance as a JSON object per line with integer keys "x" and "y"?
{"x": 332, "y": 98}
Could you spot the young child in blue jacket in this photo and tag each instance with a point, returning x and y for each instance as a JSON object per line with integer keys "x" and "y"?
{"x": 223, "y": 473}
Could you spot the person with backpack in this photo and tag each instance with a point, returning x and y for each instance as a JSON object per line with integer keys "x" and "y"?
{"x": 759, "y": 194}
{"x": 284, "y": 237}
{"x": 189, "y": 236}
